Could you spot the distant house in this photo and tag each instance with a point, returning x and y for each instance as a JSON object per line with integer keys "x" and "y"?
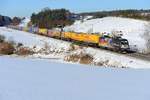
{"x": 5, "y": 20}
{"x": 73, "y": 16}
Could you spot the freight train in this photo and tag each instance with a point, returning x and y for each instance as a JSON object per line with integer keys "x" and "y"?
{"x": 111, "y": 42}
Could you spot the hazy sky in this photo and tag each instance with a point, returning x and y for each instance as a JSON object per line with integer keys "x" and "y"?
{"x": 27, "y": 7}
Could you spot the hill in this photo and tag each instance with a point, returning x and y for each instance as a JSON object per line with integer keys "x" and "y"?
{"x": 5, "y": 20}
{"x": 132, "y": 29}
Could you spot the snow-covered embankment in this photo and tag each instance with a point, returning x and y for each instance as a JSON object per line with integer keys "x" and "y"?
{"x": 60, "y": 49}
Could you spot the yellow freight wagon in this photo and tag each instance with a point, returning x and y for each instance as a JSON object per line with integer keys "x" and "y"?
{"x": 67, "y": 35}
{"x": 56, "y": 34}
{"x": 75, "y": 36}
{"x": 25, "y": 29}
{"x": 91, "y": 38}
{"x": 84, "y": 37}
{"x": 43, "y": 31}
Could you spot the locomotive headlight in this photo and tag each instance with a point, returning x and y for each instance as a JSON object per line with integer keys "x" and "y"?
{"x": 123, "y": 46}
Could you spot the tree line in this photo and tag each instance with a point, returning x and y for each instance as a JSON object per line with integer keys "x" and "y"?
{"x": 48, "y": 18}
{"x": 6, "y": 20}
{"x": 129, "y": 13}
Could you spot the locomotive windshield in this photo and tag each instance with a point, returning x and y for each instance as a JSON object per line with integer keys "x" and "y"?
{"x": 124, "y": 43}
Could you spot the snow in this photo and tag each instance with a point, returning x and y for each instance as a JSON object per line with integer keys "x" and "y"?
{"x": 24, "y": 22}
{"x": 59, "y": 49}
{"x": 132, "y": 29}
{"x": 31, "y": 40}
{"x": 48, "y": 77}
{"x": 87, "y": 18}
{"x": 114, "y": 60}
{"x": 56, "y": 48}
{"x": 35, "y": 79}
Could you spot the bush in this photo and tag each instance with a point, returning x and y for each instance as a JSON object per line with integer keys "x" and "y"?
{"x": 6, "y": 48}
{"x": 73, "y": 47}
{"x": 86, "y": 59}
{"x": 19, "y": 45}
{"x": 81, "y": 58}
{"x": 102, "y": 63}
{"x": 24, "y": 51}
{"x": 72, "y": 58}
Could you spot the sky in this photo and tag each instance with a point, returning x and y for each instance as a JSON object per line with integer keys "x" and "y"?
{"x": 24, "y": 8}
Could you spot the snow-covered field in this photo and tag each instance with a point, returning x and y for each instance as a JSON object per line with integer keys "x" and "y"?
{"x": 58, "y": 49}
{"x": 25, "y": 78}
{"x": 132, "y": 29}
{"x": 36, "y": 79}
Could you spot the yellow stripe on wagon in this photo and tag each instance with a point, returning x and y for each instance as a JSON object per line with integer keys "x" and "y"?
{"x": 43, "y": 31}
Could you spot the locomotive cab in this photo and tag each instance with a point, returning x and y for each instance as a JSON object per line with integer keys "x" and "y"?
{"x": 124, "y": 44}
{"x": 121, "y": 44}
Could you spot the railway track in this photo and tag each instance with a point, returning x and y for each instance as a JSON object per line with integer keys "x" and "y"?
{"x": 145, "y": 57}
